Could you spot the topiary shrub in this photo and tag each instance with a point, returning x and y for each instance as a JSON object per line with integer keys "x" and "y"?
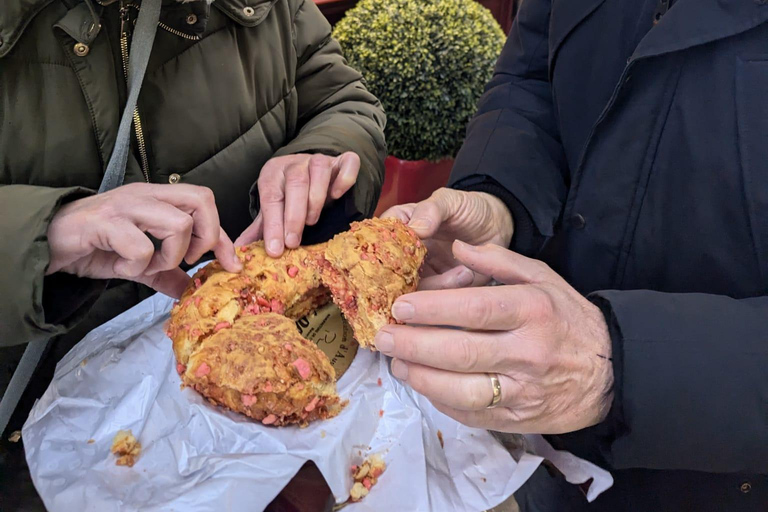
{"x": 428, "y": 62}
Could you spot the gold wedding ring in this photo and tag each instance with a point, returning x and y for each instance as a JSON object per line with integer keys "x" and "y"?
{"x": 496, "y": 386}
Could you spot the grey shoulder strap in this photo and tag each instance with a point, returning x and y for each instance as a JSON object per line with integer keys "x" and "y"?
{"x": 141, "y": 47}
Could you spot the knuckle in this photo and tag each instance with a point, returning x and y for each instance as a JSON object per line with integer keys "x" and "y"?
{"x": 184, "y": 224}
{"x": 297, "y": 177}
{"x": 318, "y": 162}
{"x": 539, "y": 271}
{"x": 541, "y": 305}
{"x": 407, "y": 350}
{"x": 206, "y": 195}
{"x": 143, "y": 252}
{"x": 269, "y": 194}
{"x": 479, "y": 308}
{"x": 466, "y": 354}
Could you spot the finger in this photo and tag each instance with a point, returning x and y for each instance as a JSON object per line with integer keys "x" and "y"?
{"x": 320, "y": 175}
{"x": 445, "y": 349}
{"x": 463, "y": 391}
{"x": 272, "y": 198}
{"x": 457, "y": 277}
{"x": 429, "y": 214}
{"x": 226, "y": 254}
{"x": 133, "y": 248}
{"x": 296, "y": 199}
{"x": 252, "y": 233}
{"x": 504, "y": 265}
{"x": 402, "y": 212}
{"x": 174, "y": 246}
{"x": 496, "y": 308}
{"x": 170, "y": 282}
{"x": 200, "y": 203}
{"x": 349, "y": 167}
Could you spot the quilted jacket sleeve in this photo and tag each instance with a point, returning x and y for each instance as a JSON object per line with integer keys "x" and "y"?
{"x": 32, "y": 305}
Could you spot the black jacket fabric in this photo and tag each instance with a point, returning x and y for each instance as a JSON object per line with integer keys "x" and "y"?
{"x": 634, "y": 158}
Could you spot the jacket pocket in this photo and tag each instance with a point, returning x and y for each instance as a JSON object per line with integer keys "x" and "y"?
{"x": 564, "y": 17}
{"x": 752, "y": 120}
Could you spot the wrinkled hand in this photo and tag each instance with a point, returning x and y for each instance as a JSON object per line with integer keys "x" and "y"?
{"x": 293, "y": 190}
{"x": 104, "y": 236}
{"x": 473, "y": 217}
{"x": 549, "y": 346}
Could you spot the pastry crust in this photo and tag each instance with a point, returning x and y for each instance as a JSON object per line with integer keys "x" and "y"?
{"x": 234, "y": 336}
{"x": 367, "y": 268}
{"x": 263, "y": 368}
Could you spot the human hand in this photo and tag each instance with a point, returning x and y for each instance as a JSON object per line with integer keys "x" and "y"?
{"x": 548, "y": 345}
{"x": 105, "y": 236}
{"x": 293, "y": 190}
{"x": 473, "y": 217}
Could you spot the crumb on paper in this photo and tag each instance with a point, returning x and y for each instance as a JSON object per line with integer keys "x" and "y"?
{"x": 126, "y": 447}
{"x": 379, "y": 382}
{"x": 322, "y": 434}
{"x": 91, "y": 441}
{"x": 484, "y": 479}
{"x": 365, "y": 476}
{"x": 15, "y": 436}
{"x": 440, "y": 438}
{"x": 84, "y": 362}
{"x": 381, "y": 413}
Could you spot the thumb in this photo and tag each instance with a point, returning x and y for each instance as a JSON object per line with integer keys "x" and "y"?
{"x": 503, "y": 265}
{"x": 226, "y": 254}
{"x": 170, "y": 282}
{"x": 429, "y": 214}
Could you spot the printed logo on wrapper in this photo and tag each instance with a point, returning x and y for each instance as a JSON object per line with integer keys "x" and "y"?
{"x": 327, "y": 328}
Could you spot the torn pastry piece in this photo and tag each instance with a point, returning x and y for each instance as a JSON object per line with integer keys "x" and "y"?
{"x": 261, "y": 367}
{"x": 365, "y": 476}
{"x": 126, "y": 447}
{"x": 367, "y": 268}
{"x": 288, "y": 285}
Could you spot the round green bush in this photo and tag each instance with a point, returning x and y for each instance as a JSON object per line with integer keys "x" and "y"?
{"x": 428, "y": 62}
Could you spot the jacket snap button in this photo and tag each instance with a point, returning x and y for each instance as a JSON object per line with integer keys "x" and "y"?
{"x": 746, "y": 487}
{"x": 249, "y": 11}
{"x": 578, "y": 221}
{"x": 81, "y": 50}
{"x": 174, "y": 178}
{"x": 191, "y": 19}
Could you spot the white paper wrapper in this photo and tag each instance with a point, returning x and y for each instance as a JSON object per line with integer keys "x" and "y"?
{"x": 197, "y": 457}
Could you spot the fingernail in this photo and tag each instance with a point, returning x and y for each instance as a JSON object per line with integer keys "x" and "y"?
{"x": 403, "y": 311}
{"x": 385, "y": 342}
{"x": 292, "y": 240}
{"x": 274, "y": 246}
{"x": 465, "y": 278}
{"x": 462, "y": 245}
{"x": 421, "y": 223}
{"x": 399, "y": 369}
{"x": 237, "y": 262}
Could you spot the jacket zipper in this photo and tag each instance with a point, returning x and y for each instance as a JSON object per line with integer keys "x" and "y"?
{"x": 178, "y": 32}
{"x": 124, "y": 28}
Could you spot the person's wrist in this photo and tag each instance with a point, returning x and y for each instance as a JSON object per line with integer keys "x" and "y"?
{"x": 602, "y": 381}
{"x": 502, "y": 217}
{"x": 60, "y": 235}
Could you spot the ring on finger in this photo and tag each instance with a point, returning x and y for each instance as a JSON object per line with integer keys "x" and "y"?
{"x": 496, "y": 387}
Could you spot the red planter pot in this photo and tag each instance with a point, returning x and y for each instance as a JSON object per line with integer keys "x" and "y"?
{"x": 411, "y": 181}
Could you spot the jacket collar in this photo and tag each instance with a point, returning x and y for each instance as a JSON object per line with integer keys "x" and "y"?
{"x": 15, "y": 15}
{"x": 691, "y": 23}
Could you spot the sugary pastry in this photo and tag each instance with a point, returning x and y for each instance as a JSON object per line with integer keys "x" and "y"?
{"x": 263, "y": 368}
{"x": 367, "y": 268}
